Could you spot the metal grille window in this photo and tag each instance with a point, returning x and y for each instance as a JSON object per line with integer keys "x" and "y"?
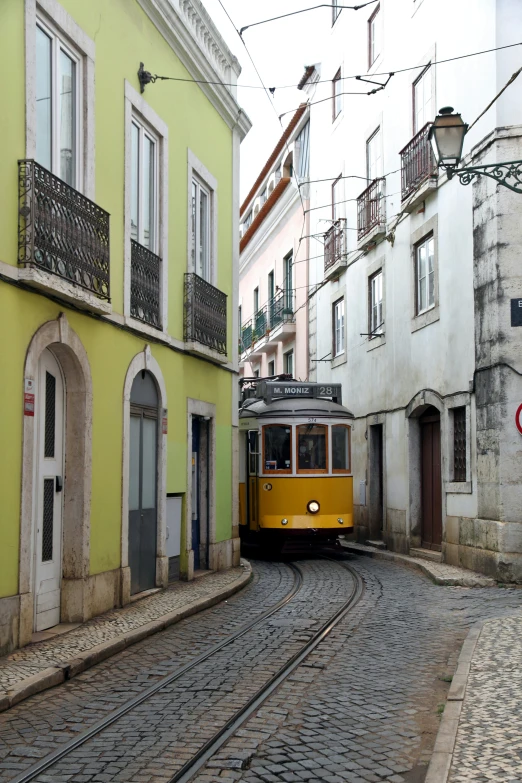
{"x": 145, "y": 285}
{"x": 58, "y": 115}
{"x": 459, "y": 444}
{"x": 336, "y": 94}
{"x": 376, "y": 304}
{"x": 50, "y": 414}
{"x": 425, "y": 274}
{"x": 338, "y": 328}
{"x": 205, "y": 314}
{"x": 48, "y": 520}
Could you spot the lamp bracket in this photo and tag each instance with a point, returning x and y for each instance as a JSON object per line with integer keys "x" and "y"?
{"x": 508, "y": 174}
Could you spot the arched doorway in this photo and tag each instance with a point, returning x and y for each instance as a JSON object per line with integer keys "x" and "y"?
{"x": 431, "y": 479}
{"x": 50, "y": 394}
{"x": 143, "y": 480}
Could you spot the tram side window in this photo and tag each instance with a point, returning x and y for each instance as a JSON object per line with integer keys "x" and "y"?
{"x": 278, "y": 447}
{"x": 340, "y": 448}
{"x": 312, "y": 448}
{"x": 252, "y": 452}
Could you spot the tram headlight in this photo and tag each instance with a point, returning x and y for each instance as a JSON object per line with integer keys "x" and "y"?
{"x": 313, "y": 506}
{"x": 284, "y": 521}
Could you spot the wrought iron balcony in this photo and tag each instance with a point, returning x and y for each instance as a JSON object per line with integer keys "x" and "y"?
{"x": 370, "y": 208}
{"x": 260, "y": 324}
{"x": 145, "y": 304}
{"x": 205, "y": 313}
{"x": 61, "y": 231}
{"x": 281, "y": 309}
{"x": 417, "y": 162}
{"x": 246, "y": 336}
{"x": 334, "y": 243}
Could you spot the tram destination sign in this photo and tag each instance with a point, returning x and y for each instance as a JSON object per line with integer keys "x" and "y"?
{"x": 277, "y": 390}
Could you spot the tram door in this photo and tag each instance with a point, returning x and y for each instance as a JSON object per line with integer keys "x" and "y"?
{"x": 200, "y": 476}
{"x": 253, "y": 448}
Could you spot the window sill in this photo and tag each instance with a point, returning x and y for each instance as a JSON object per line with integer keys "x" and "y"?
{"x": 374, "y": 343}
{"x": 141, "y": 326}
{"x": 62, "y": 289}
{"x": 208, "y": 353}
{"x": 459, "y": 488}
{"x": 375, "y": 233}
{"x": 338, "y": 360}
{"x": 415, "y": 199}
{"x": 425, "y": 319}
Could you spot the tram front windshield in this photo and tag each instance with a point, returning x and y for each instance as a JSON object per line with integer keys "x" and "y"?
{"x": 311, "y": 447}
{"x": 277, "y": 448}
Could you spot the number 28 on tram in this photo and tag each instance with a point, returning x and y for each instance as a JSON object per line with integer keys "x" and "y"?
{"x": 295, "y": 461}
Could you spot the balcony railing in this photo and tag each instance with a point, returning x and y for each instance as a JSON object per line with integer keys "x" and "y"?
{"x": 61, "y": 231}
{"x": 281, "y": 308}
{"x": 417, "y": 162}
{"x": 370, "y": 208}
{"x": 246, "y": 336}
{"x": 260, "y": 324}
{"x": 205, "y": 313}
{"x": 334, "y": 243}
{"x": 145, "y": 302}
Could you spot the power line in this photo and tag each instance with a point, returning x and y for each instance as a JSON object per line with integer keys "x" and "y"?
{"x": 304, "y": 10}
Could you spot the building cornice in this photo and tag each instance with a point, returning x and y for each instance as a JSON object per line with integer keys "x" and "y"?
{"x": 193, "y": 37}
{"x": 274, "y": 222}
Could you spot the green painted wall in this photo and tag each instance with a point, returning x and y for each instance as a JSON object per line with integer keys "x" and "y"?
{"x": 124, "y": 36}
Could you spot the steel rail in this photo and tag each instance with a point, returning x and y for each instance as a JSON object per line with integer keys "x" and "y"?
{"x": 103, "y": 723}
{"x": 190, "y": 768}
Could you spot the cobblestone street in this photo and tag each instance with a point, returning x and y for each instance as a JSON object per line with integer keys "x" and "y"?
{"x": 364, "y": 705}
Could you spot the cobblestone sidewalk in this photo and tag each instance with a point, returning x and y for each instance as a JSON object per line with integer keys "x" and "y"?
{"x": 488, "y": 744}
{"x": 46, "y": 663}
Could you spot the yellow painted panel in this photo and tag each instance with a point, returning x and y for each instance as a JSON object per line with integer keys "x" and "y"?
{"x": 288, "y": 499}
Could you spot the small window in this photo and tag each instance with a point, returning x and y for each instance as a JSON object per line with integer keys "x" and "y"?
{"x": 374, "y": 36}
{"x": 263, "y": 197}
{"x": 201, "y": 206}
{"x": 58, "y": 117}
{"x": 425, "y": 274}
{"x": 144, "y": 174}
{"x": 312, "y": 448}
{"x": 277, "y": 448}
{"x": 288, "y": 361}
{"x": 459, "y": 444}
{"x": 341, "y": 448}
{"x": 303, "y": 152}
{"x": 374, "y": 167}
{"x": 338, "y": 328}
{"x": 336, "y": 94}
{"x": 422, "y": 100}
{"x": 337, "y": 198}
{"x": 375, "y": 293}
{"x": 256, "y": 300}
{"x": 288, "y": 282}
{"x": 256, "y": 373}
{"x": 271, "y": 367}
{"x": 248, "y": 221}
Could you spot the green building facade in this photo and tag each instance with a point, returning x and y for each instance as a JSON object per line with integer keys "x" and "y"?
{"x": 118, "y": 300}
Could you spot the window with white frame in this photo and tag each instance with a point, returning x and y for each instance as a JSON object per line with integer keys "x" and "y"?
{"x": 58, "y": 101}
{"x": 375, "y": 295}
{"x": 144, "y": 186}
{"x": 337, "y": 197}
{"x": 338, "y": 328}
{"x": 337, "y": 95}
{"x": 425, "y": 274}
{"x": 374, "y": 36}
{"x": 288, "y": 363}
{"x": 374, "y": 168}
{"x": 422, "y": 100}
{"x": 271, "y": 367}
{"x": 201, "y": 221}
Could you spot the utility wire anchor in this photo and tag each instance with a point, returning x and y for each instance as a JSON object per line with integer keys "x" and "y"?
{"x": 145, "y": 77}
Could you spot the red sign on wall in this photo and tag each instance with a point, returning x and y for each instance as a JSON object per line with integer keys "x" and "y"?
{"x": 28, "y": 404}
{"x": 518, "y": 419}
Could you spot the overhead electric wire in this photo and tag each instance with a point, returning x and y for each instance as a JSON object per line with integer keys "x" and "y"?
{"x": 304, "y": 10}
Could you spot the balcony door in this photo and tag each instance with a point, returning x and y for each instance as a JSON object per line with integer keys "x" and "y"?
{"x": 49, "y": 506}
{"x": 143, "y": 479}
{"x": 431, "y": 483}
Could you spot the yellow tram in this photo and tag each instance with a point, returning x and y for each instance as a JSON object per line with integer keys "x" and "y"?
{"x": 295, "y": 475}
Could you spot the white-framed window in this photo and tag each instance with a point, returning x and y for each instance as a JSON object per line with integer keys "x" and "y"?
{"x": 374, "y": 36}
{"x": 374, "y": 168}
{"x": 288, "y": 363}
{"x": 338, "y": 327}
{"x": 336, "y": 95}
{"x": 248, "y": 220}
{"x": 202, "y": 239}
{"x": 58, "y": 95}
{"x": 376, "y": 297}
{"x": 271, "y": 367}
{"x": 423, "y": 100}
{"x": 425, "y": 274}
{"x": 337, "y": 197}
{"x": 144, "y": 185}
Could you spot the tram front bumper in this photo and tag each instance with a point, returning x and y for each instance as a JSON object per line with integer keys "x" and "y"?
{"x": 308, "y": 524}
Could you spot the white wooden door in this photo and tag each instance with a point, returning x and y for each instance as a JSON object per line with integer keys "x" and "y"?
{"x": 48, "y": 555}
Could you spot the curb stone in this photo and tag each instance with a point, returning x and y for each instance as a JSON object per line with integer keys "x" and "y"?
{"x": 440, "y": 764}
{"x": 465, "y": 579}
{"x": 66, "y": 670}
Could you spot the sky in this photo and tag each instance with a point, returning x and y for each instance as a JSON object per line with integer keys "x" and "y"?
{"x": 280, "y": 51}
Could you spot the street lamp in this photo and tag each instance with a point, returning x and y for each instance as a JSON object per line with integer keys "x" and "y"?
{"x": 447, "y": 139}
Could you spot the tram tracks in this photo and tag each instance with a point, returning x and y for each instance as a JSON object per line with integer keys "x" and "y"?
{"x": 220, "y": 737}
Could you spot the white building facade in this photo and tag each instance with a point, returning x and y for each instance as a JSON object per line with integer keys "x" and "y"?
{"x": 412, "y": 306}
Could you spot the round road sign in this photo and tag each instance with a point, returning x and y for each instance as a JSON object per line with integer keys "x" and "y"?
{"x": 518, "y": 419}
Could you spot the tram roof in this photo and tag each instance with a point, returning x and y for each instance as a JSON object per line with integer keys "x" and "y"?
{"x": 294, "y": 406}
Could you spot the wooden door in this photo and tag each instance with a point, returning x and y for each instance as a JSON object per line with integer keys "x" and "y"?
{"x": 431, "y": 486}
